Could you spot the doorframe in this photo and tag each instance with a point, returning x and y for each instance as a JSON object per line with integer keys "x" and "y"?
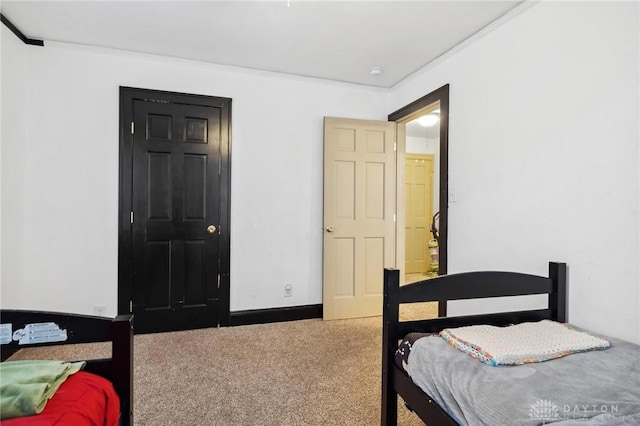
{"x": 125, "y": 195}
{"x": 400, "y": 116}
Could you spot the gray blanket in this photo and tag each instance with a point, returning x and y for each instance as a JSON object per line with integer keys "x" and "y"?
{"x": 594, "y": 388}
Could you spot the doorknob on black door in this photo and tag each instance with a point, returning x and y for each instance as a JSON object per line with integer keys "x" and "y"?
{"x": 211, "y": 229}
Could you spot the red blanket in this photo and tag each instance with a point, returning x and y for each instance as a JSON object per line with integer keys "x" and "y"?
{"x": 83, "y": 399}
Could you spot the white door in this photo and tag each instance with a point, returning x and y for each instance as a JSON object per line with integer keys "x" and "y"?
{"x": 359, "y": 215}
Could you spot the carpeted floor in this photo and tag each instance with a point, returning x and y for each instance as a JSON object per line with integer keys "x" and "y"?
{"x": 310, "y": 372}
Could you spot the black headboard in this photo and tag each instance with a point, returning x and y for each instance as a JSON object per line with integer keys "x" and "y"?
{"x": 476, "y": 285}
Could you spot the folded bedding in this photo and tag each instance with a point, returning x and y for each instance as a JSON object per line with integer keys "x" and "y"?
{"x": 521, "y": 343}
{"x": 84, "y": 399}
{"x": 28, "y": 385}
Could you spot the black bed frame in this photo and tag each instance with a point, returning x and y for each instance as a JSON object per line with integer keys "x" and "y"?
{"x": 470, "y": 285}
{"x": 88, "y": 329}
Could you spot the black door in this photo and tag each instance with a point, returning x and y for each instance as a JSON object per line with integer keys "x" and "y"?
{"x": 179, "y": 211}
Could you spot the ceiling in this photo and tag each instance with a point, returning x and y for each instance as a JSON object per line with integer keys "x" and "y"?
{"x": 334, "y": 40}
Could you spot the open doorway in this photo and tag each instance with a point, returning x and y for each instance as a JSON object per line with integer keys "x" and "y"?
{"x": 422, "y": 178}
{"x": 423, "y": 186}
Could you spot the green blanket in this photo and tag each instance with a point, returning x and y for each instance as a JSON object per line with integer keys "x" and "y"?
{"x": 26, "y": 386}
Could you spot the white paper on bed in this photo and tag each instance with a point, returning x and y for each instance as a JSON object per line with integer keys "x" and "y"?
{"x": 521, "y": 343}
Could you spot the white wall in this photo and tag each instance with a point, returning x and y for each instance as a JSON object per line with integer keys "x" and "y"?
{"x": 531, "y": 103}
{"x": 12, "y": 160}
{"x": 64, "y": 240}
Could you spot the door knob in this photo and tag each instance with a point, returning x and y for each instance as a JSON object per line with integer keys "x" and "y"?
{"x": 329, "y": 228}
{"x": 211, "y": 229}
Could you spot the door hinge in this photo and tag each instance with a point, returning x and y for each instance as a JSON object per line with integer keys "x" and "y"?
{"x": 131, "y": 216}
{"x": 130, "y": 306}
{"x": 133, "y": 128}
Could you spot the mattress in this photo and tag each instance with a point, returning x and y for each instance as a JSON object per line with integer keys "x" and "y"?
{"x": 83, "y": 399}
{"x": 593, "y": 388}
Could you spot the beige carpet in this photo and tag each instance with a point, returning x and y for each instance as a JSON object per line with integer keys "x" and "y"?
{"x": 308, "y": 372}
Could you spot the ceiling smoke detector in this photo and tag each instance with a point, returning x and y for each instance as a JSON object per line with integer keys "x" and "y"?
{"x": 375, "y": 71}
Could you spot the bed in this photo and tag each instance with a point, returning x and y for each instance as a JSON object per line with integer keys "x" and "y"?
{"x": 107, "y": 381}
{"x": 444, "y": 386}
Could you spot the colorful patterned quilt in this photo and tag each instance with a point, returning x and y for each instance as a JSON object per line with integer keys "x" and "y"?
{"x": 521, "y": 343}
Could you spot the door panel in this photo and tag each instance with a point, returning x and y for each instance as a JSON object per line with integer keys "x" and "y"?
{"x": 359, "y": 207}
{"x": 195, "y": 187}
{"x": 159, "y": 186}
{"x": 159, "y": 272}
{"x": 195, "y": 272}
{"x": 374, "y": 257}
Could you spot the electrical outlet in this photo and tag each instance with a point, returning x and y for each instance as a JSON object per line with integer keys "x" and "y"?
{"x": 288, "y": 288}
{"x": 99, "y": 310}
